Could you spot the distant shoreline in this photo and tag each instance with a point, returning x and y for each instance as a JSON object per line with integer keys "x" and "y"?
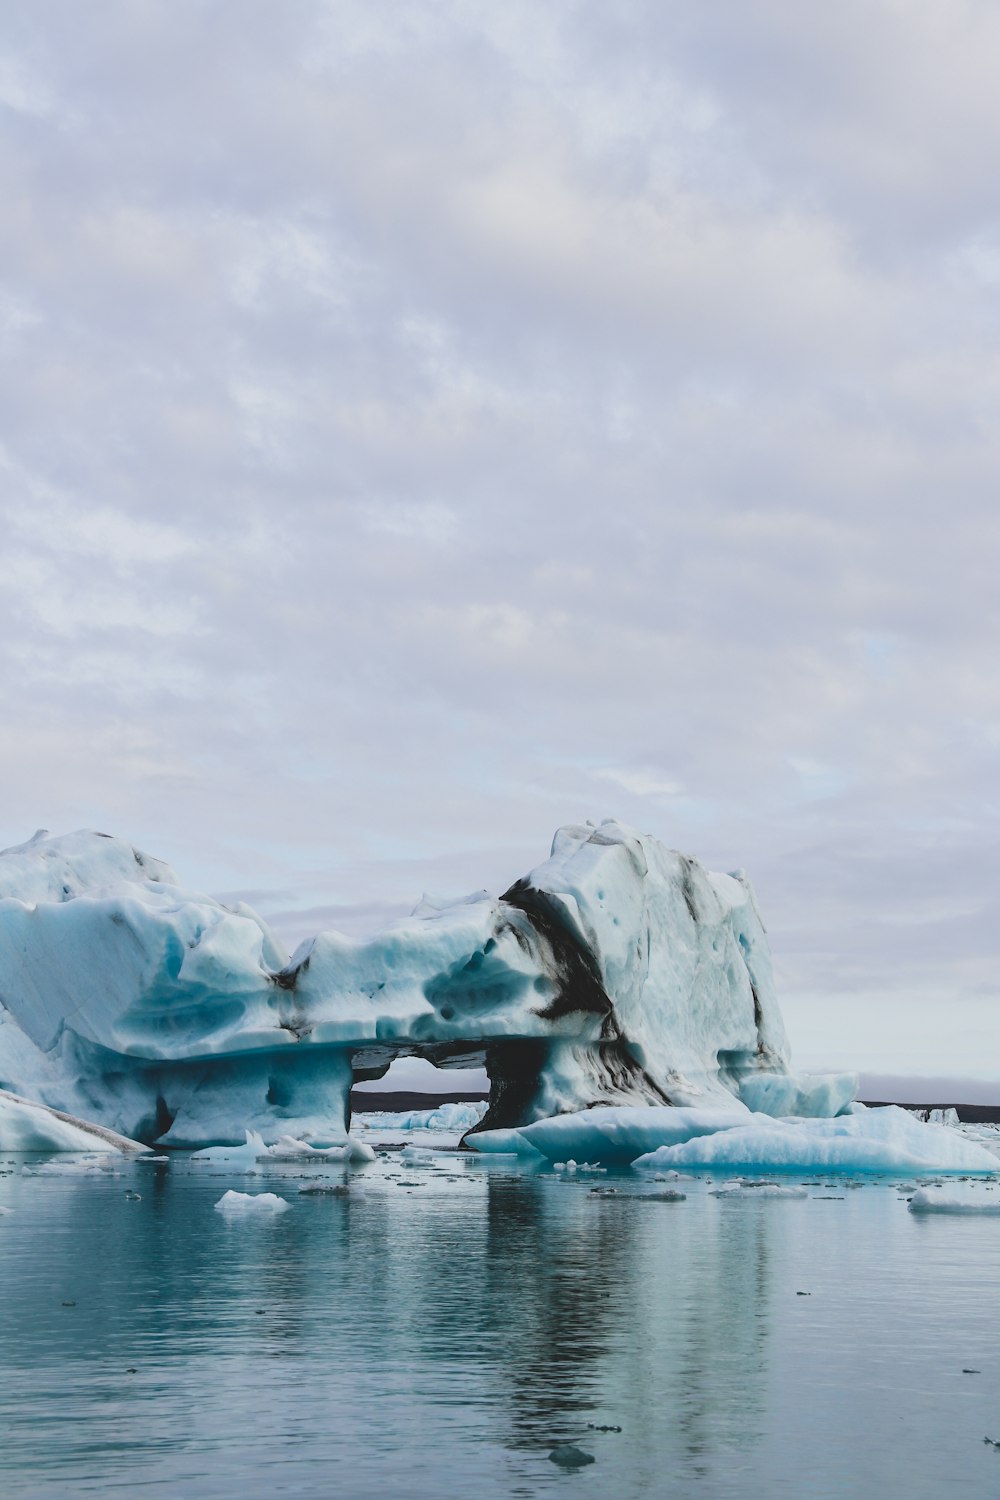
{"x": 969, "y": 1114}
{"x": 363, "y": 1103}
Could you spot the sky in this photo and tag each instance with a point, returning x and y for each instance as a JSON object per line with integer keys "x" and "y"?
{"x": 425, "y": 425}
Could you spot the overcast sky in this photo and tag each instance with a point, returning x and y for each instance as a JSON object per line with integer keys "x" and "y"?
{"x": 426, "y": 424}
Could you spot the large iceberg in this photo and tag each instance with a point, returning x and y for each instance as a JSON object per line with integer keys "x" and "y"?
{"x": 617, "y": 972}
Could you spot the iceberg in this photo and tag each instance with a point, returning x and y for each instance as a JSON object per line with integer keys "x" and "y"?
{"x": 618, "y": 972}
{"x": 445, "y": 1118}
{"x": 877, "y": 1140}
{"x": 822, "y": 1094}
{"x": 612, "y": 1136}
{"x": 888, "y": 1139}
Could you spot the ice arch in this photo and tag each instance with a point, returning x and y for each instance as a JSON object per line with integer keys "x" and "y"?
{"x": 618, "y": 971}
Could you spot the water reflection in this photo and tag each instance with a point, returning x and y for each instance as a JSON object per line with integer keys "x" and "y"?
{"x": 373, "y": 1344}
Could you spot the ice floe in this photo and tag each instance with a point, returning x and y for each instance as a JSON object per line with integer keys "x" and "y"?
{"x": 740, "y": 1190}
{"x": 878, "y": 1140}
{"x": 247, "y": 1205}
{"x": 933, "y": 1200}
{"x": 872, "y": 1140}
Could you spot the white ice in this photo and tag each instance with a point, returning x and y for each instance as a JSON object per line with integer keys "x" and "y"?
{"x": 614, "y": 1135}
{"x": 285, "y": 1149}
{"x": 740, "y": 1190}
{"x": 952, "y": 1200}
{"x": 877, "y": 1140}
{"x": 245, "y": 1156}
{"x": 246, "y": 1205}
{"x": 448, "y": 1118}
{"x": 871, "y": 1140}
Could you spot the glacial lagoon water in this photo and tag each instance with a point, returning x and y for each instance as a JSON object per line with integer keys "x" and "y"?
{"x": 441, "y": 1330}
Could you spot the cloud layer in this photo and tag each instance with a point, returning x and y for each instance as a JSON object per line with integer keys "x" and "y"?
{"x": 421, "y": 428}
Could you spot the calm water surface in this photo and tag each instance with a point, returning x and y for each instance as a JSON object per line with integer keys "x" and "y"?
{"x": 443, "y": 1338}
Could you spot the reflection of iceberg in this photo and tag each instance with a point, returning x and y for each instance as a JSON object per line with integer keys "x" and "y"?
{"x": 617, "y": 972}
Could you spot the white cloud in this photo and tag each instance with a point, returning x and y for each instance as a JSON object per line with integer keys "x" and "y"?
{"x": 431, "y": 430}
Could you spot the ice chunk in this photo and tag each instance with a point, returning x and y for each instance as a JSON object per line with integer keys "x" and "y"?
{"x": 938, "y": 1116}
{"x": 822, "y": 1094}
{"x": 245, "y": 1205}
{"x": 880, "y": 1140}
{"x": 502, "y": 1143}
{"x": 954, "y": 1201}
{"x": 758, "y": 1190}
{"x": 245, "y": 1156}
{"x": 358, "y": 1151}
{"x": 286, "y": 1148}
{"x": 446, "y": 1118}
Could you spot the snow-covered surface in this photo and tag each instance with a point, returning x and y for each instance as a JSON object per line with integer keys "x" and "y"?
{"x": 618, "y": 971}
{"x": 28, "y": 1126}
{"x": 953, "y": 1200}
{"x": 250, "y": 1205}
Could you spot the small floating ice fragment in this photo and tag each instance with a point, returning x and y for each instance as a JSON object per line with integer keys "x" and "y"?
{"x": 758, "y": 1190}
{"x": 953, "y": 1201}
{"x": 241, "y": 1205}
{"x": 235, "y": 1156}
